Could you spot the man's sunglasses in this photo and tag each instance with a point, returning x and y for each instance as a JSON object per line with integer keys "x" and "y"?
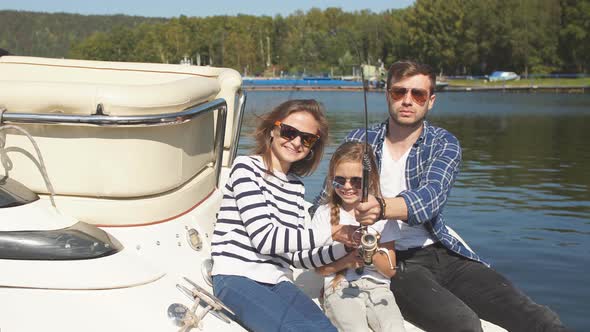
{"x": 340, "y": 181}
{"x": 290, "y": 133}
{"x": 419, "y": 95}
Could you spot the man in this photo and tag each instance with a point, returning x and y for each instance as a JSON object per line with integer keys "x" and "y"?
{"x": 445, "y": 286}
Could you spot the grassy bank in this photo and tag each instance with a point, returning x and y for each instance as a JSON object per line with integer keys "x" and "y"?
{"x": 569, "y": 82}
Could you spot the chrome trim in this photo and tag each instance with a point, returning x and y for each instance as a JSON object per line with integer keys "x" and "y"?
{"x": 206, "y": 268}
{"x": 219, "y": 140}
{"x": 237, "y": 126}
{"x": 79, "y": 241}
{"x": 136, "y": 121}
{"x": 194, "y": 239}
{"x": 179, "y": 314}
{"x": 115, "y": 121}
{"x": 208, "y": 301}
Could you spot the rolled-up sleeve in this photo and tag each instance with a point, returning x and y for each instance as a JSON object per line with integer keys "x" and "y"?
{"x": 427, "y": 200}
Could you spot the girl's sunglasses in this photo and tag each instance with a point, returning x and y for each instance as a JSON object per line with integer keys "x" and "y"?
{"x": 290, "y": 133}
{"x": 418, "y": 95}
{"x": 340, "y": 181}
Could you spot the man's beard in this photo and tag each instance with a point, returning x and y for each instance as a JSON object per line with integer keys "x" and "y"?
{"x": 413, "y": 124}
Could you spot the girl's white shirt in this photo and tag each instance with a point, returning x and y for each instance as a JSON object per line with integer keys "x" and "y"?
{"x": 389, "y": 232}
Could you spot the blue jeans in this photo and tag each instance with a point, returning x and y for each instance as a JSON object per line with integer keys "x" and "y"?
{"x": 265, "y": 307}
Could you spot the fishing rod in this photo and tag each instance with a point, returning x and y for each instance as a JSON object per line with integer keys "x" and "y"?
{"x": 368, "y": 243}
{"x": 366, "y": 157}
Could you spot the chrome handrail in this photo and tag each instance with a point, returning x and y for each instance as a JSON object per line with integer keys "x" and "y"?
{"x": 219, "y": 142}
{"x": 114, "y": 120}
{"x": 237, "y": 126}
{"x": 135, "y": 121}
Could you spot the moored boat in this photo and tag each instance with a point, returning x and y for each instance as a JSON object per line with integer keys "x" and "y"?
{"x": 112, "y": 183}
{"x": 134, "y": 155}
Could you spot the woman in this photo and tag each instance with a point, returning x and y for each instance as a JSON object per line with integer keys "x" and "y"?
{"x": 260, "y": 225}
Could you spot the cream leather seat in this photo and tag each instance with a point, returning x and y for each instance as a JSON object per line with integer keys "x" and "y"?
{"x": 117, "y": 175}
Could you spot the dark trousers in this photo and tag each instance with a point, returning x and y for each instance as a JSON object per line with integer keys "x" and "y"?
{"x": 442, "y": 291}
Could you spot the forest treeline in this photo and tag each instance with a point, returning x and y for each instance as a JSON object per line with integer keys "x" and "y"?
{"x": 457, "y": 37}
{"x": 52, "y": 35}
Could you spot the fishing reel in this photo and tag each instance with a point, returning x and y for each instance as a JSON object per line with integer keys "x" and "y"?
{"x": 368, "y": 244}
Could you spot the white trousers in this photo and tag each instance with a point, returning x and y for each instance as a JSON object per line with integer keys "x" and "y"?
{"x": 362, "y": 304}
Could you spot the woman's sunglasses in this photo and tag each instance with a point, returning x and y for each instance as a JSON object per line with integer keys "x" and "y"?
{"x": 418, "y": 95}
{"x": 290, "y": 133}
{"x": 340, "y": 181}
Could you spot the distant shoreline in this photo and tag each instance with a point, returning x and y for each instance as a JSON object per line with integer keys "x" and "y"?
{"x": 507, "y": 88}
{"x": 533, "y": 88}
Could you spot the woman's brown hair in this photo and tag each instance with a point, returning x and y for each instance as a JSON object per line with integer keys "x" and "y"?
{"x": 262, "y": 136}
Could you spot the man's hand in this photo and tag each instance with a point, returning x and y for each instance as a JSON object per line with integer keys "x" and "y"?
{"x": 344, "y": 234}
{"x": 367, "y": 213}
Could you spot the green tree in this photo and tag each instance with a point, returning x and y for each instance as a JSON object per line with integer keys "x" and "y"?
{"x": 455, "y": 36}
{"x": 574, "y": 36}
{"x": 436, "y": 31}
{"x": 534, "y": 34}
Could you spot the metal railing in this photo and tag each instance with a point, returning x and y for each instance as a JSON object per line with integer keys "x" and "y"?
{"x": 237, "y": 126}
{"x": 101, "y": 120}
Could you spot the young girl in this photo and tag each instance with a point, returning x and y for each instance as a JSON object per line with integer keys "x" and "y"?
{"x": 260, "y": 225}
{"x": 352, "y": 301}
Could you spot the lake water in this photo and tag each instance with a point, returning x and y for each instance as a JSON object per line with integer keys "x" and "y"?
{"x": 522, "y": 198}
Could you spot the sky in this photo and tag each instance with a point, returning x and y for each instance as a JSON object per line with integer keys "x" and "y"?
{"x": 175, "y": 8}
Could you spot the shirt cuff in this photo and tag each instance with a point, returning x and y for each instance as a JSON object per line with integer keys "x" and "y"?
{"x": 339, "y": 250}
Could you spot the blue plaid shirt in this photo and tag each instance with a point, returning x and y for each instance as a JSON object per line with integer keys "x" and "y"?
{"x": 432, "y": 166}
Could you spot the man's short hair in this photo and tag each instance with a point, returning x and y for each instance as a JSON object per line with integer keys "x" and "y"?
{"x": 4, "y": 52}
{"x": 407, "y": 68}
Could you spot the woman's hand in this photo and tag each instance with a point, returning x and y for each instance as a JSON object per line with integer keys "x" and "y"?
{"x": 352, "y": 260}
{"x": 344, "y": 234}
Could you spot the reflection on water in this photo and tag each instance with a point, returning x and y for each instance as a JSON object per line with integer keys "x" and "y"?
{"x": 522, "y": 198}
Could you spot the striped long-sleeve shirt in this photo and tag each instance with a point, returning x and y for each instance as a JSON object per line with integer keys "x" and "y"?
{"x": 260, "y": 226}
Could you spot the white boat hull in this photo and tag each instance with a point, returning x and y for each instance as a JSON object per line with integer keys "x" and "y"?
{"x": 152, "y": 187}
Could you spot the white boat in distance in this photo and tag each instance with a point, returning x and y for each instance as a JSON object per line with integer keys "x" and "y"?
{"x": 133, "y": 155}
